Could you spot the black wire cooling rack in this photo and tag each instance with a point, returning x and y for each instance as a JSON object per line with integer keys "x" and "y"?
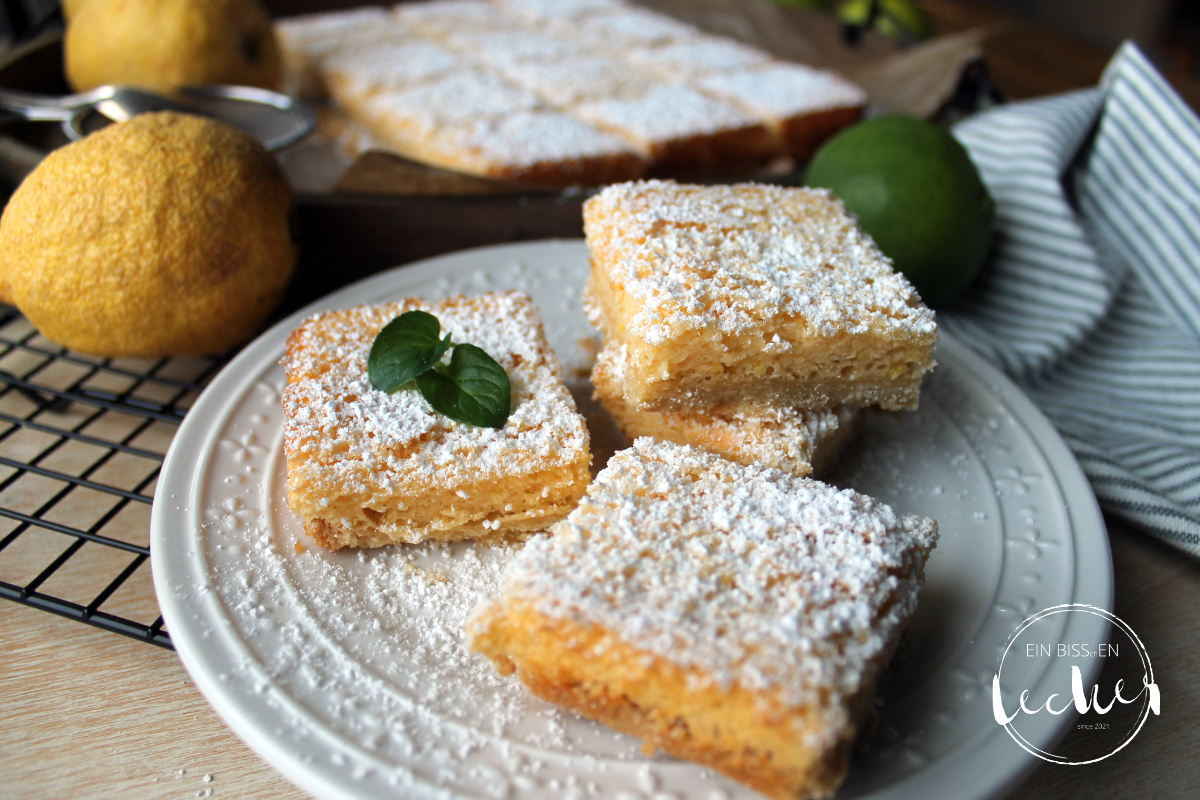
{"x": 82, "y": 441}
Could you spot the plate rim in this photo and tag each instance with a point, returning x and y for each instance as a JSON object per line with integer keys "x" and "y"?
{"x": 180, "y": 473}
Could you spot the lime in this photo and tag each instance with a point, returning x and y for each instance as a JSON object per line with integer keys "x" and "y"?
{"x": 902, "y": 20}
{"x": 917, "y": 193}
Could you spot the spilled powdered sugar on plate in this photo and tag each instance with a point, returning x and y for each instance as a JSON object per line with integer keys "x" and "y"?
{"x": 348, "y": 670}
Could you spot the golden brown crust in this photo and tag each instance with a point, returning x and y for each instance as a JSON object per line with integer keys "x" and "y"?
{"x": 798, "y": 441}
{"x": 367, "y": 468}
{"x": 803, "y": 135}
{"x": 750, "y": 295}
{"x": 584, "y": 171}
{"x": 738, "y": 617}
{"x": 748, "y": 736}
{"x": 727, "y": 151}
{"x": 592, "y": 171}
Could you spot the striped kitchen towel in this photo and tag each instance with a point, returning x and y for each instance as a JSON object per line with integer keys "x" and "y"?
{"x": 1091, "y": 299}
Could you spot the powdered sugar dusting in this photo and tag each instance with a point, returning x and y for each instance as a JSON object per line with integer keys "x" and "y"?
{"x": 624, "y": 26}
{"x": 390, "y": 622}
{"x": 538, "y": 137}
{"x": 560, "y": 9}
{"x": 576, "y": 78}
{"x": 452, "y": 100}
{"x": 700, "y": 56}
{"x": 390, "y": 65}
{"x": 729, "y": 258}
{"x": 331, "y": 25}
{"x": 751, "y": 575}
{"x": 505, "y": 48}
{"x": 416, "y": 598}
{"x": 314, "y": 37}
{"x": 345, "y": 438}
{"x": 665, "y": 112}
{"x": 445, "y": 17}
{"x": 784, "y": 90}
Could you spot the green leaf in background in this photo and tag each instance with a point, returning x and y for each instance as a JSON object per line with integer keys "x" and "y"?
{"x": 902, "y": 20}
{"x": 472, "y": 388}
{"x": 406, "y": 347}
{"x": 811, "y": 5}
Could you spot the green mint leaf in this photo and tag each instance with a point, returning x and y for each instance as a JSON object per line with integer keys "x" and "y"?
{"x": 472, "y": 388}
{"x": 406, "y": 347}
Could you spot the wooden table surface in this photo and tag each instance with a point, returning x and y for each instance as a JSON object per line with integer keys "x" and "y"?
{"x": 89, "y": 714}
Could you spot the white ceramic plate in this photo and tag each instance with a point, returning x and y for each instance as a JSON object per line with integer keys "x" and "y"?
{"x": 347, "y": 670}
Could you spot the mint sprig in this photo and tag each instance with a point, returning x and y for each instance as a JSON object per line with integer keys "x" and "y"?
{"x": 406, "y": 347}
{"x": 470, "y": 388}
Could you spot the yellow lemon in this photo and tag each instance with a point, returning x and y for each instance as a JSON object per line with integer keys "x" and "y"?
{"x": 71, "y": 7}
{"x": 165, "y": 235}
{"x": 917, "y": 193}
{"x": 165, "y": 44}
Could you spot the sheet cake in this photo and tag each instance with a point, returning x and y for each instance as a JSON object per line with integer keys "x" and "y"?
{"x": 654, "y": 95}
